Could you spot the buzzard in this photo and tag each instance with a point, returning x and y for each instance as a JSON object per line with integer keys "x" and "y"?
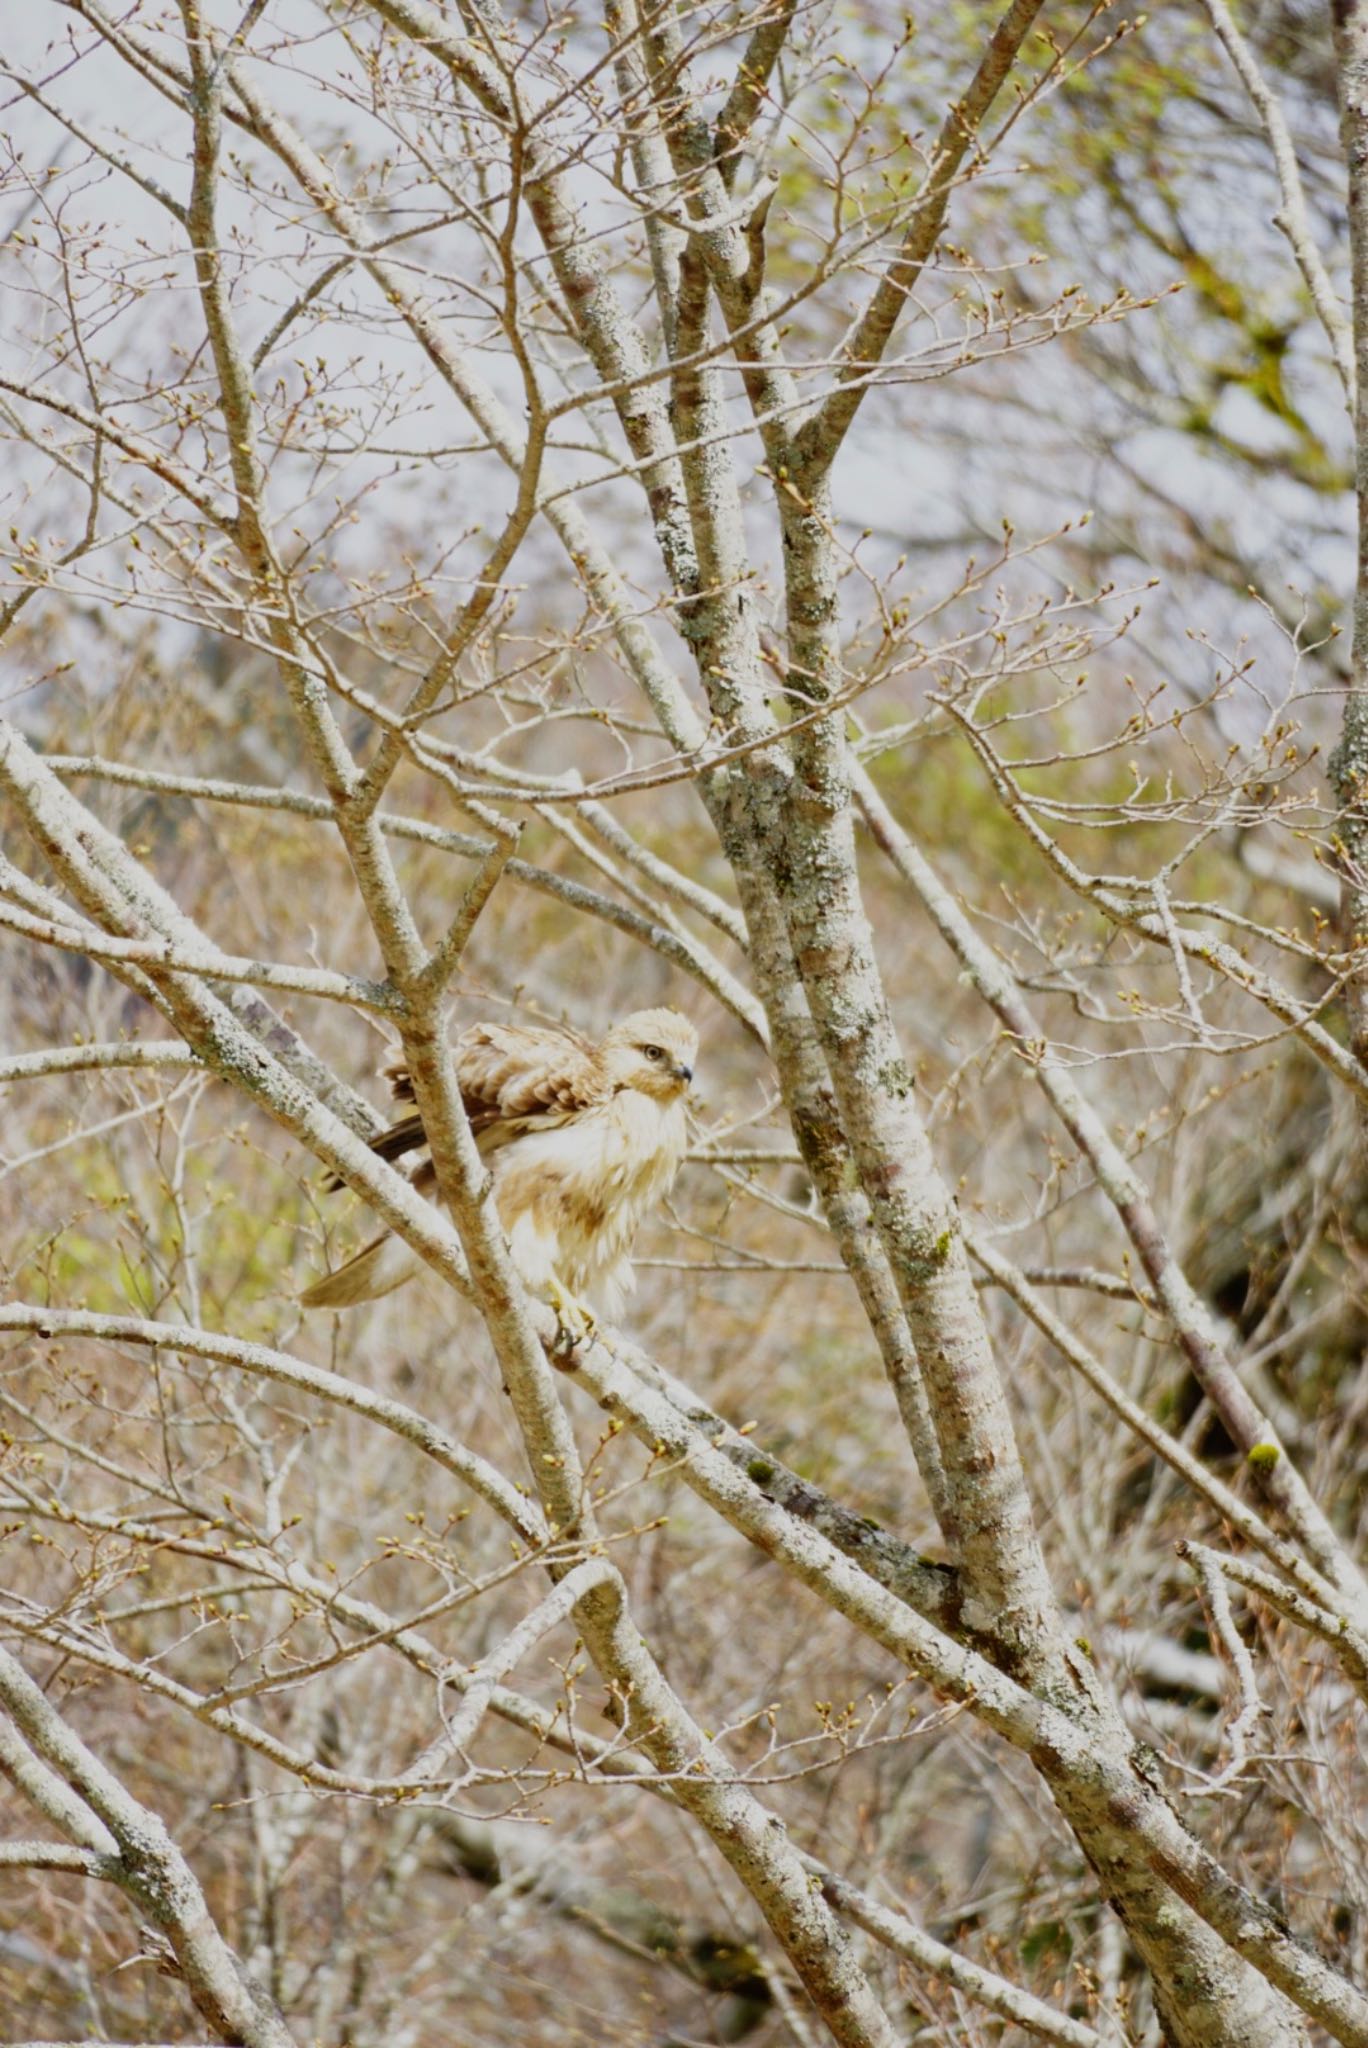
{"x": 580, "y": 1139}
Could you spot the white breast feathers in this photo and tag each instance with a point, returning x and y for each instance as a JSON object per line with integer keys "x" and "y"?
{"x": 571, "y": 1198}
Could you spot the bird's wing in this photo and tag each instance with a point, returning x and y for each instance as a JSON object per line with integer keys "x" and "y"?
{"x": 517, "y": 1075}
{"x": 515, "y": 1072}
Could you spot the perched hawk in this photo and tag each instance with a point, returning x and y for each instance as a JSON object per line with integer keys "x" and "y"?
{"x": 581, "y": 1141}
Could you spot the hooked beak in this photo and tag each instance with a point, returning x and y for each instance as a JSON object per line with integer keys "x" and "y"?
{"x": 683, "y": 1073}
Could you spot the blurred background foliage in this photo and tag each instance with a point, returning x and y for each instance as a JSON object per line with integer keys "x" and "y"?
{"x": 1199, "y": 424}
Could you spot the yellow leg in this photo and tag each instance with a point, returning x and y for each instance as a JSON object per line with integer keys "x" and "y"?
{"x": 575, "y": 1317}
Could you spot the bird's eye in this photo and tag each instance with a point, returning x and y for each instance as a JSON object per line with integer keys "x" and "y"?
{"x": 654, "y": 1052}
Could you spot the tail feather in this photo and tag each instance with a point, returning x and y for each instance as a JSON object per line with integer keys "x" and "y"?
{"x": 380, "y": 1267}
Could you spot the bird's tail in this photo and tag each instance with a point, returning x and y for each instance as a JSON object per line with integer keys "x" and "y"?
{"x": 378, "y": 1269}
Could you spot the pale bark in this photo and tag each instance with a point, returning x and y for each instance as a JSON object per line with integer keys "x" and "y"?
{"x": 1349, "y": 763}
{"x": 135, "y": 1850}
{"x": 759, "y": 1854}
{"x": 1141, "y": 1853}
{"x": 1268, "y": 1462}
{"x": 987, "y": 1632}
{"x": 1293, "y": 218}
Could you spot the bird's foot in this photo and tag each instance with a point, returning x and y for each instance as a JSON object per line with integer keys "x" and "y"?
{"x": 577, "y": 1320}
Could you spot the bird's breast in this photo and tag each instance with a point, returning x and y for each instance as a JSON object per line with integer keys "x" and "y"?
{"x": 598, "y": 1171}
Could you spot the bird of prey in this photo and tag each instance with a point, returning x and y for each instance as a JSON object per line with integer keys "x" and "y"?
{"x": 580, "y": 1139}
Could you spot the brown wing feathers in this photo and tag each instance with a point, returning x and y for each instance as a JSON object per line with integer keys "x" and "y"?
{"x": 405, "y": 1136}
{"x": 513, "y": 1070}
{"x": 508, "y": 1073}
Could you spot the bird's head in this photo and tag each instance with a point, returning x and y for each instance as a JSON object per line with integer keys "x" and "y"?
{"x": 653, "y": 1051}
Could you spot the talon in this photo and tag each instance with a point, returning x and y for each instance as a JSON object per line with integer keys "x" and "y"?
{"x": 576, "y": 1319}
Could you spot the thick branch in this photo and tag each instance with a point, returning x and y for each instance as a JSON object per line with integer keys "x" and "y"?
{"x": 153, "y": 1871}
